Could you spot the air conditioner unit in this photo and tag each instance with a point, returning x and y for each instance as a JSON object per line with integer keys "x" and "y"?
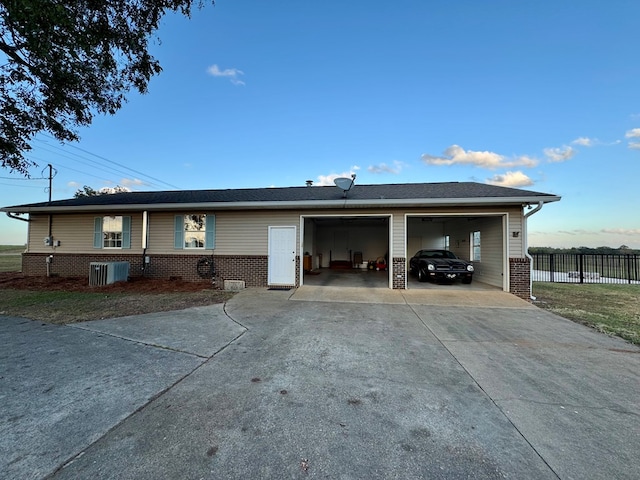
{"x": 104, "y": 273}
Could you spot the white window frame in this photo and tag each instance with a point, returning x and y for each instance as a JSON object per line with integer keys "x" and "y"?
{"x": 186, "y": 228}
{"x": 476, "y": 246}
{"x": 201, "y": 231}
{"x": 107, "y": 230}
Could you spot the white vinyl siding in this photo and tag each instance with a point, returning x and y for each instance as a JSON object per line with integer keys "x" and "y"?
{"x": 75, "y": 232}
{"x": 490, "y": 267}
{"x": 516, "y": 244}
{"x": 398, "y": 244}
{"x": 246, "y": 232}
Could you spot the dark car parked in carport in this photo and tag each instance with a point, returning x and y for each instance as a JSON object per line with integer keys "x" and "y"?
{"x": 440, "y": 265}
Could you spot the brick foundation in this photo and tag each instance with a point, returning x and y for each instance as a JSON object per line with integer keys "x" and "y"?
{"x": 399, "y": 273}
{"x": 520, "y": 277}
{"x": 252, "y": 269}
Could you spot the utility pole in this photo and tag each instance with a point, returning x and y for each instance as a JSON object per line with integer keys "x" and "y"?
{"x": 50, "y": 180}
{"x": 50, "y": 237}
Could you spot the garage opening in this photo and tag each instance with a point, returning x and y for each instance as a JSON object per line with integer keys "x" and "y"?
{"x": 479, "y": 239}
{"x": 346, "y": 250}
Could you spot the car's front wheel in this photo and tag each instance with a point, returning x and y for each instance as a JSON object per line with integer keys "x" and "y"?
{"x": 467, "y": 280}
{"x": 422, "y": 277}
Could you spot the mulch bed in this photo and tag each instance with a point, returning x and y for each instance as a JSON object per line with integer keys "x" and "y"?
{"x": 17, "y": 281}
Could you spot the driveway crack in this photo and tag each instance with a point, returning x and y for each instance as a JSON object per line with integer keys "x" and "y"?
{"x": 491, "y": 399}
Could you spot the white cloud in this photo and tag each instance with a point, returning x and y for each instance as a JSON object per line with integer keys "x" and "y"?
{"x": 559, "y": 154}
{"x": 232, "y": 74}
{"x": 633, "y": 133}
{"x": 455, "y": 154}
{"x": 73, "y": 184}
{"x": 634, "y": 145}
{"x": 324, "y": 180}
{"x": 578, "y": 231}
{"x": 116, "y": 189}
{"x": 510, "y": 179}
{"x": 593, "y": 142}
{"x": 395, "y": 169}
{"x": 622, "y": 231}
{"x": 126, "y": 182}
{"x": 585, "y": 141}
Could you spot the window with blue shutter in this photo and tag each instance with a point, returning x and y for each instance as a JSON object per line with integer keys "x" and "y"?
{"x": 178, "y": 236}
{"x": 112, "y": 232}
{"x": 210, "y": 233}
{"x": 97, "y": 232}
{"x": 126, "y": 232}
{"x": 195, "y": 231}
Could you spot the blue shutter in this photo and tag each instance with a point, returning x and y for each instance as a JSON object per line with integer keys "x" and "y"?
{"x": 126, "y": 232}
{"x": 97, "y": 232}
{"x": 210, "y": 232}
{"x": 178, "y": 236}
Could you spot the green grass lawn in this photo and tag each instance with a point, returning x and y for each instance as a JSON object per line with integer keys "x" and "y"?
{"x": 63, "y": 307}
{"x": 10, "y": 259}
{"x": 611, "y": 309}
{"x": 12, "y": 249}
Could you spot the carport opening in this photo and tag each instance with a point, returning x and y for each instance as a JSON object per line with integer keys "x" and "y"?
{"x": 351, "y": 250}
{"x": 478, "y": 239}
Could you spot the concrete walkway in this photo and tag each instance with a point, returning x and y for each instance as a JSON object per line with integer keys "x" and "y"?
{"x": 281, "y": 386}
{"x": 444, "y": 297}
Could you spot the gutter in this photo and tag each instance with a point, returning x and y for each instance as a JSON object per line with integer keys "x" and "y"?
{"x": 526, "y": 246}
{"x": 15, "y": 217}
{"x": 290, "y": 205}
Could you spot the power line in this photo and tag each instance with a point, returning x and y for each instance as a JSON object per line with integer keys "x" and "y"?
{"x": 96, "y": 165}
{"x": 62, "y": 165}
{"x": 31, "y": 178}
{"x": 115, "y": 163}
{"x": 22, "y": 186}
{"x": 84, "y": 173}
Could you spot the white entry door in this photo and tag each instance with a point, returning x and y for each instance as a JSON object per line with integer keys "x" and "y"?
{"x": 282, "y": 256}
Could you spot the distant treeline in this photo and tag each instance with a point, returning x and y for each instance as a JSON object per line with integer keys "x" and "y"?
{"x": 623, "y": 249}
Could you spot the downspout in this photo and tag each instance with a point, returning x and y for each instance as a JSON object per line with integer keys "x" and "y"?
{"x": 526, "y": 247}
{"x": 145, "y": 238}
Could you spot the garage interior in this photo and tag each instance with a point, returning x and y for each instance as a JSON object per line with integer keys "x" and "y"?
{"x": 346, "y": 250}
{"x": 456, "y": 233}
{"x": 353, "y": 251}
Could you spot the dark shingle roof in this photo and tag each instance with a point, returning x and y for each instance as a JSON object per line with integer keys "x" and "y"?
{"x": 359, "y": 194}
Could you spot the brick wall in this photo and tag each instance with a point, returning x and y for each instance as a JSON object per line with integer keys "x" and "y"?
{"x": 252, "y": 269}
{"x": 399, "y": 273}
{"x": 519, "y": 277}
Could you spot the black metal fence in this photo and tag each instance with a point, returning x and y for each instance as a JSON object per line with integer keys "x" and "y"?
{"x": 586, "y": 268}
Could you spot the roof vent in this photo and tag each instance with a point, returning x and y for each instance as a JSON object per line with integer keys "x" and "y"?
{"x": 309, "y": 183}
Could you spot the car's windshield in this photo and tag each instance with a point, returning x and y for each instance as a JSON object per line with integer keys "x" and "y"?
{"x": 436, "y": 254}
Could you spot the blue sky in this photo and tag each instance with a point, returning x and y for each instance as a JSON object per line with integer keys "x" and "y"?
{"x": 539, "y": 95}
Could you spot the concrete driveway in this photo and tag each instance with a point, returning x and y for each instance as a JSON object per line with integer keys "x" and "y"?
{"x": 281, "y": 386}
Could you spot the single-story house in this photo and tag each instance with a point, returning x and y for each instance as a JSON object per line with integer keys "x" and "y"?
{"x": 271, "y": 236}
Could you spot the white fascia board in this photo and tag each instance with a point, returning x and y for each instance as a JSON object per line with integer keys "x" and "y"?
{"x": 290, "y": 205}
